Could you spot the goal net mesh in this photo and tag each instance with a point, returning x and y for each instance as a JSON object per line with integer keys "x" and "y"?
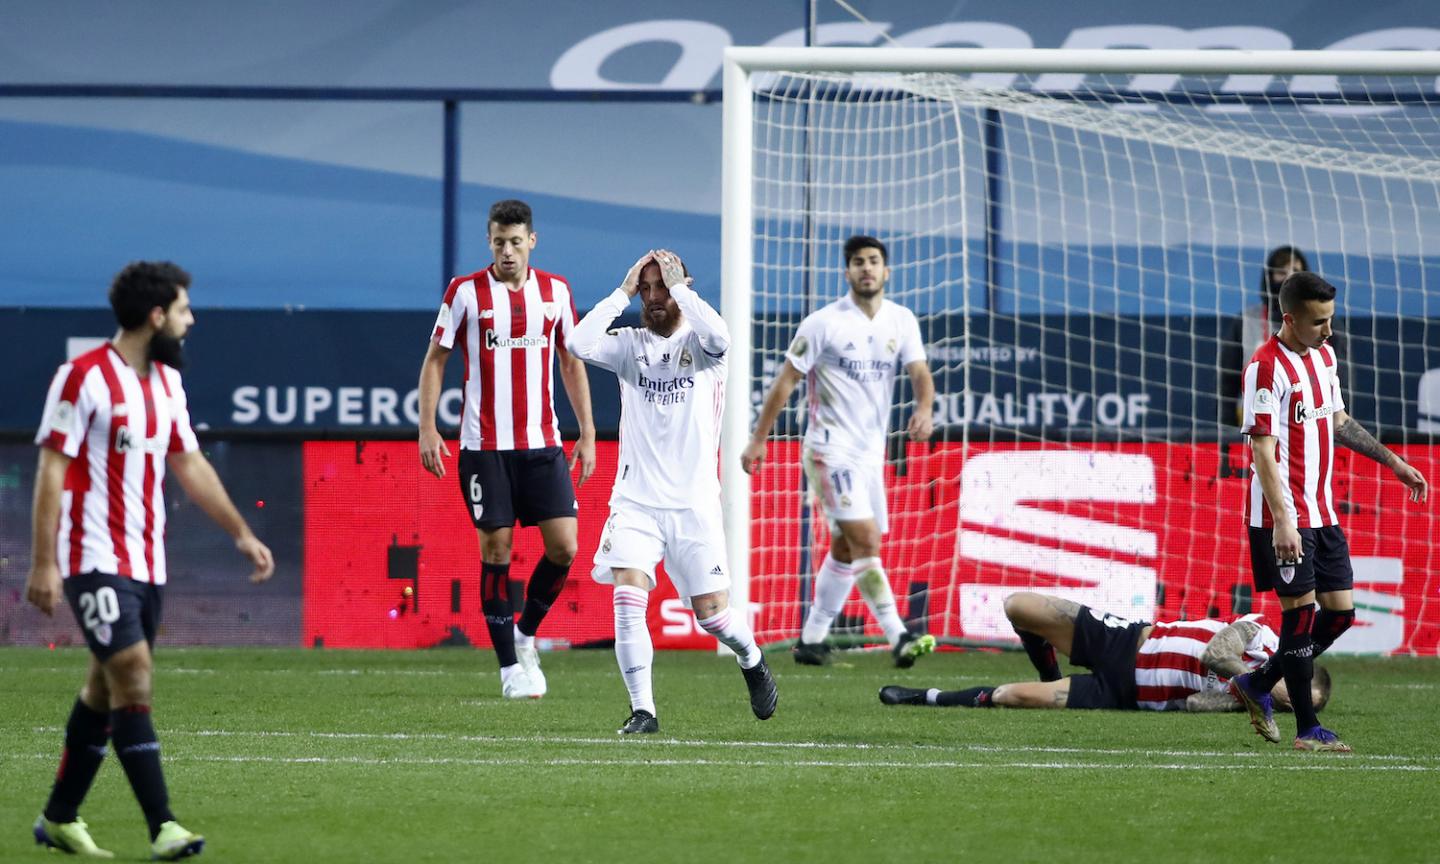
{"x": 1087, "y": 257}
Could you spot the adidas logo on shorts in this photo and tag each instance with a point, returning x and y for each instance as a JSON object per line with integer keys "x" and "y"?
{"x": 717, "y": 571}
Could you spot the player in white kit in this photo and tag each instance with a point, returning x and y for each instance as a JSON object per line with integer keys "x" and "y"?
{"x": 666, "y": 498}
{"x": 849, "y": 353}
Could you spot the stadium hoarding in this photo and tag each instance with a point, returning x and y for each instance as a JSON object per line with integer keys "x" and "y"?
{"x": 1152, "y": 529}
{"x": 344, "y": 373}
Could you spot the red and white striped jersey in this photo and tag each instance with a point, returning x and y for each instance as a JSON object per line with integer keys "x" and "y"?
{"x": 507, "y": 339}
{"x": 117, "y": 428}
{"x": 1168, "y": 667}
{"x": 1291, "y": 397}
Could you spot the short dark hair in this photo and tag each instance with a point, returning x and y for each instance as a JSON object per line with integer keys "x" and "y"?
{"x": 1321, "y": 682}
{"x": 1303, "y": 286}
{"x": 143, "y": 285}
{"x": 511, "y": 211}
{"x": 865, "y": 241}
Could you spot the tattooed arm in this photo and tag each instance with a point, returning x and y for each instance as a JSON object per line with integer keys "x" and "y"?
{"x": 1225, "y": 656}
{"x": 1349, "y": 432}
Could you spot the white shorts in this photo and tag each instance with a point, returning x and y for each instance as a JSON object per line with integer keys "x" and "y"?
{"x": 691, "y": 542}
{"x": 848, "y": 490}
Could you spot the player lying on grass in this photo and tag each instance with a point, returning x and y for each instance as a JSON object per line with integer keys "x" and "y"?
{"x": 666, "y": 500}
{"x": 1174, "y": 666}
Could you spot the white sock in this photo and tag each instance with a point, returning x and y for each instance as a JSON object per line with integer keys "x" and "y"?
{"x": 523, "y": 641}
{"x": 875, "y": 588}
{"x": 734, "y": 632}
{"x": 634, "y": 650}
{"x": 931, "y": 695}
{"x": 832, "y": 589}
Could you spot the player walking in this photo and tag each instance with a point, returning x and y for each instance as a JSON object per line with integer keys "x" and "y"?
{"x": 114, "y": 418}
{"x": 1294, "y": 414}
{"x": 850, "y": 353}
{"x": 508, "y": 320}
{"x": 666, "y": 499}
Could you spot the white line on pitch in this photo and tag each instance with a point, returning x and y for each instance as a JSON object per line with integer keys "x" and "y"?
{"x": 1342, "y": 764}
{"x": 776, "y": 745}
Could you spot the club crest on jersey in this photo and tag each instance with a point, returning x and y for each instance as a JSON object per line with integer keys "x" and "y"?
{"x": 890, "y": 346}
{"x": 605, "y": 547}
{"x": 685, "y": 358}
{"x": 551, "y": 310}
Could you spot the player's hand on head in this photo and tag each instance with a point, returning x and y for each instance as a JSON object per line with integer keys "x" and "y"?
{"x": 752, "y": 457}
{"x": 42, "y": 588}
{"x": 433, "y": 452}
{"x": 922, "y": 426}
{"x": 672, "y": 270}
{"x": 259, "y": 555}
{"x": 631, "y": 285}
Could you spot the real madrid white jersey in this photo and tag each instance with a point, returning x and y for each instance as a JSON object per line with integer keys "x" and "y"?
{"x": 672, "y": 395}
{"x": 850, "y": 362}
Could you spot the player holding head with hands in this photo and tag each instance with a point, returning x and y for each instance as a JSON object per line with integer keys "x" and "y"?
{"x": 510, "y": 320}
{"x": 666, "y": 499}
{"x": 850, "y": 352}
{"x": 115, "y": 419}
{"x": 1294, "y": 415}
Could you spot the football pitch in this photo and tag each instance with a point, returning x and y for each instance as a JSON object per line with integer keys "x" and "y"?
{"x": 318, "y": 756}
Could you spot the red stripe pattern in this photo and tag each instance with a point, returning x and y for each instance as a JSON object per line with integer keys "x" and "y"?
{"x": 1168, "y": 667}
{"x": 1293, "y": 398}
{"x": 509, "y": 339}
{"x": 117, "y": 428}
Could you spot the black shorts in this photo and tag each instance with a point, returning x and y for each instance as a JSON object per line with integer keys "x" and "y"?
{"x": 1106, "y": 645}
{"x": 1324, "y": 563}
{"x": 114, "y": 612}
{"x": 501, "y": 486}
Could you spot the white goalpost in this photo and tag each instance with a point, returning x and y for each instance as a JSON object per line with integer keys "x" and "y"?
{"x": 1084, "y": 238}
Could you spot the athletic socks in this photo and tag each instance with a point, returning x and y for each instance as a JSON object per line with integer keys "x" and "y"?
{"x": 546, "y": 583}
{"x": 495, "y": 603}
{"x": 634, "y": 651}
{"x": 85, "y": 737}
{"x": 832, "y": 589}
{"x": 734, "y": 633}
{"x": 975, "y": 697}
{"x": 139, "y": 753}
{"x": 1042, "y": 655}
{"x": 875, "y": 588}
{"x": 1297, "y": 662}
{"x": 1329, "y": 626}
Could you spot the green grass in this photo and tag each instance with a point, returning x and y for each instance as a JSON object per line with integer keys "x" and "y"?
{"x": 317, "y": 756}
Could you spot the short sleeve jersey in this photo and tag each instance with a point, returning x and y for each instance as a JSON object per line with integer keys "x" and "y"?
{"x": 850, "y": 362}
{"x": 1168, "y": 667}
{"x": 672, "y": 397}
{"x": 117, "y": 427}
{"x": 1292, "y": 398}
{"x": 508, "y": 340}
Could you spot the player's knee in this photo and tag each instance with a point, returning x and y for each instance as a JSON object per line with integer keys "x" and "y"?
{"x": 563, "y": 553}
{"x": 1020, "y": 605}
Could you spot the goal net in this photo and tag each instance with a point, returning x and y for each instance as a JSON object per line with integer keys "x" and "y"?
{"x": 1084, "y": 237}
